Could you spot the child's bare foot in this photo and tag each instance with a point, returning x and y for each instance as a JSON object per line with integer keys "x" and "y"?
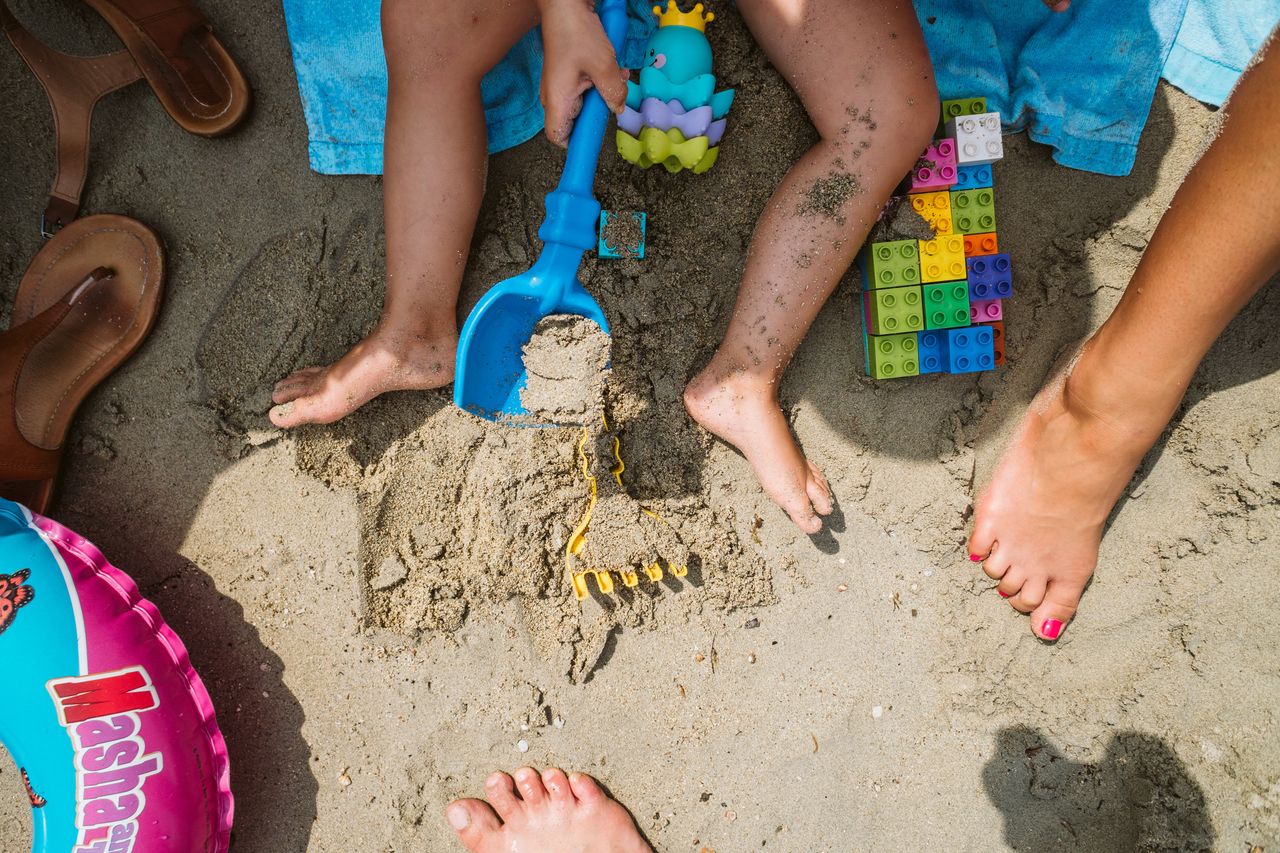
{"x": 382, "y": 362}
{"x": 551, "y": 814}
{"x": 1039, "y": 522}
{"x": 742, "y": 409}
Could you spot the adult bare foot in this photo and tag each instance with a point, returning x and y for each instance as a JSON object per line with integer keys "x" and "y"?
{"x": 384, "y": 361}
{"x": 741, "y": 409}
{"x": 1039, "y": 523}
{"x": 551, "y": 814}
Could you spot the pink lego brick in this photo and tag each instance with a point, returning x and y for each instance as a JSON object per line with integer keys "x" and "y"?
{"x": 936, "y": 168}
{"x": 986, "y": 310}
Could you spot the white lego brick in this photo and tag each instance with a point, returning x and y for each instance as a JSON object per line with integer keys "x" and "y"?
{"x": 977, "y": 138}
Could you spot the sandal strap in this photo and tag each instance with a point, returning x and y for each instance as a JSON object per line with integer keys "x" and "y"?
{"x": 22, "y": 460}
{"x": 73, "y": 84}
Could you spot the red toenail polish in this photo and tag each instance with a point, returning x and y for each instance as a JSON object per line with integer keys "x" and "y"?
{"x": 1051, "y": 629}
{"x": 975, "y": 558}
{"x": 1003, "y": 594}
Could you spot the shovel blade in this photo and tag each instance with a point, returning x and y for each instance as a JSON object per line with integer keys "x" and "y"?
{"x": 490, "y": 372}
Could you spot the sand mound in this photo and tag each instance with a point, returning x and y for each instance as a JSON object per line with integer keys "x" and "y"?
{"x": 567, "y": 362}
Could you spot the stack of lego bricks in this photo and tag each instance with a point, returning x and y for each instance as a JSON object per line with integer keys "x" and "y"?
{"x": 937, "y": 306}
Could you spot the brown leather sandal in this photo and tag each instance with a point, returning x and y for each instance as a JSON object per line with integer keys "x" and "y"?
{"x": 190, "y": 71}
{"x": 75, "y": 84}
{"x": 85, "y": 305}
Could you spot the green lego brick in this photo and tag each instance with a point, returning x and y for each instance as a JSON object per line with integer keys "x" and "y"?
{"x": 946, "y": 305}
{"x": 962, "y": 107}
{"x": 893, "y": 310}
{"x": 892, "y": 356}
{"x": 973, "y": 211}
{"x": 891, "y": 264}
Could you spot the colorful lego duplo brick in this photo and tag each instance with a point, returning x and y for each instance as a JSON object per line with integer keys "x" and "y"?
{"x": 946, "y": 305}
{"x": 957, "y": 107}
{"x": 980, "y": 244}
{"x": 935, "y": 209}
{"x": 973, "y": 211}
{"x": 977, "y": 138}
{"x": 934, "y": 306}
{"x": 989, "y": 276}
{"x": 892, "y": 356}
{"x": 893, "y": 310}
{"x": 942, "y": 259}
{"x": 968, "y": 349}
{"x": 890, "y": 264}
{"x": 972, "y": 177}
{"x": 985, "y": 310}
{"x": 929, "y": 345}
{"x": 936, "y": 168}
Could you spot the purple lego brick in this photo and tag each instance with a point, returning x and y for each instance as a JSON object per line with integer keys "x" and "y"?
{"x": 990, "y": 277}
{"x": 986, "y": 310}
{"x": 936, "y": 168}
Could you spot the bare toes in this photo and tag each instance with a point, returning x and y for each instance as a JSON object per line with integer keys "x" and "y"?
{"x": 586, "y": 789}
{"x": 1060, "y": 601}
{"x": 474, "y": 822}
{"x": 502, "y": 796}
{"x": 1029, "y": 595}
{"x": 818, "y": 490}
{"x": 1011, "y": 582}
{"x": 557, "y": 785}
{"x": 530, "y": 785}
{"x": 996, "y": 565}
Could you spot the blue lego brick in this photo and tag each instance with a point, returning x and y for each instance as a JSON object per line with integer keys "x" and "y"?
{"x": 929, "y": 349}
{"x": 972, "y": 177}
{"x": 967, "y": 350}
{"x": 989, "y": 276}
{"x": 606, "y": 249}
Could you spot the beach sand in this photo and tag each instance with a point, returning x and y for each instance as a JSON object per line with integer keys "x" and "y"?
{"x": 379, "y": 607}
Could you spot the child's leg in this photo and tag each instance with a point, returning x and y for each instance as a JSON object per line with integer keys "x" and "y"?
{"x": 434, "y": 167}
{"x": 1040, "y": 521}
{"x": 863, "y": 74}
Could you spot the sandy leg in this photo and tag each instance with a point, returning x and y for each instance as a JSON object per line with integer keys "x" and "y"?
{"x": 547, "y": 813}
{"x": 434, "y": 163}
{"x": 863, "y": 74}
{"x": 1039, "y": 523}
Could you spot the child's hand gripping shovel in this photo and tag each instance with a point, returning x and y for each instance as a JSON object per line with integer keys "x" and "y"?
{"x": 490, "y": 370}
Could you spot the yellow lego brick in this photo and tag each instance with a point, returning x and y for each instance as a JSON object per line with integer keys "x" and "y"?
{"x": 942, "y": 259}
{"x": 934, "y": 208}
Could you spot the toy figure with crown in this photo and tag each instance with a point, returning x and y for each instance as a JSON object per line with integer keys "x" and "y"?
{"x": 673, "y": 115}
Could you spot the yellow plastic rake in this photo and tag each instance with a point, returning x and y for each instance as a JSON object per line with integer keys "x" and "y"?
{"x": 578, "y": 540}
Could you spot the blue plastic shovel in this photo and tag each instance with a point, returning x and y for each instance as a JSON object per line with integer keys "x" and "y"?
{"x": 490, "y": 371}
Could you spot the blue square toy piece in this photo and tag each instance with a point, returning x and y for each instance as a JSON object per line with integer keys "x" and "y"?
{"x": 929, "y": 347}
{"x": 968, "y": 349}
{"x": 990, "y": 276}
{"x": 615, "y": 229}
{"x": 972, "y": 177}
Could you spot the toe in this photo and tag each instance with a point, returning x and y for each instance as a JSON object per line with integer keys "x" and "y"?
{"x": 557, "y": 785}
{"x": 290, "y": 388}
{"x": 586, "y": 789}
{"x": 530, "y": 785}
{"x": 1050, "y": 619}
{"x": 474, "y": 822}
{"x": 1011, "y": 581}
{"x": 502, "y": 796}
{"x": 314, "y": 407}
{"x": 819, "y": 490}
{"x": 982, "y": 539}
{"x": 1029, "y": 595}
{"x": 997, "y": 564}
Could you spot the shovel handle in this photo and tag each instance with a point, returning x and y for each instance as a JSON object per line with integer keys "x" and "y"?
{"x": 588, "y": 130}
{"x": 572, "y": 210}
